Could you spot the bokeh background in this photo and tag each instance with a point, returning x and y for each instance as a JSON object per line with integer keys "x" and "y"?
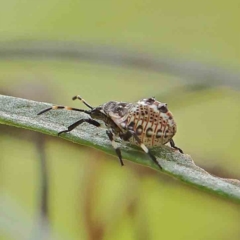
{"x": 89, "y": 195}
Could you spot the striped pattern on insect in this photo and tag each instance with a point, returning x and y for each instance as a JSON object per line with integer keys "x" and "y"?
{"x": 147, "y": 123}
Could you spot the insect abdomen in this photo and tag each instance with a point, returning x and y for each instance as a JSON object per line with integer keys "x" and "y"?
{"x": 154, "y": 128}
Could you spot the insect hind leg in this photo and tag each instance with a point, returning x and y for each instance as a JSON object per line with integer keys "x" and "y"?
{"x": 114, "y": 144}
{"x": 130, "y": 133}
{"x": 172, "y": 143}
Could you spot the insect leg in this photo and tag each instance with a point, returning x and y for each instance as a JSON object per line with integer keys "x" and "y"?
{"x": 114, "y": 144}
{"x": 131, "y": 133}
{"x": 63, "y": 107}
{"x": 81, "y": 99}
{"x": 172, "y": 143}
{"x": 144, "y": 148}
{"x": 74, "y": 125}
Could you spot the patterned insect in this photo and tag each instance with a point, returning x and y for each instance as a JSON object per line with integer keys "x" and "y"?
{"x": 147, "y": 123}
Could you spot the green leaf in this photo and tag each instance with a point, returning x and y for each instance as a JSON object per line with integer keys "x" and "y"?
{"x": 23, "y": 113}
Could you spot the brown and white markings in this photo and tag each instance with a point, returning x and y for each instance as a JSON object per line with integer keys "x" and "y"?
{"x": 147, "y": 123}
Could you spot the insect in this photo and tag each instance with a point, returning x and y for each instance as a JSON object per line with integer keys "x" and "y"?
{"x": 147, "y": 123}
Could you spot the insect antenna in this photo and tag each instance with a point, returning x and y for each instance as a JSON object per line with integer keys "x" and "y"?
{"x": 81, "y": 99}
{"x": 63, "y": 107}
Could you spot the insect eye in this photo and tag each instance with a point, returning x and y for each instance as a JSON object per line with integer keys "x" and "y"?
{"x": 163, "y": 108}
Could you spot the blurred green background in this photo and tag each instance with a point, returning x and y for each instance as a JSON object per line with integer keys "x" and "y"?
{"x": 90, "y": 195}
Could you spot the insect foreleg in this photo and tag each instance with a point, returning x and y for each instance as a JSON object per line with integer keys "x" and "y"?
{"x": 74, "y": 125}
{"x": 115, "y": 146}
{"x": 172, "y": 143}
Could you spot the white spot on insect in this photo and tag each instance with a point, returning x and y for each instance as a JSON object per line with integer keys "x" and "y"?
{"x": 133, "y": 109}
{"x": 159, "y": 133}
{"x": 149, "y": 132}
{"x": 139, "y": 131}
{"x": 154, "y": 107}
{"x": 142, "y": 102}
